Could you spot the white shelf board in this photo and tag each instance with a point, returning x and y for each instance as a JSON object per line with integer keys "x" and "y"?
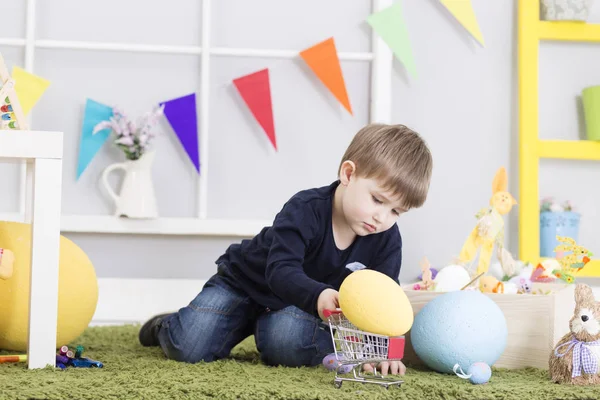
{"x": 15, "y": 144}
{"x": 159, "y": 226}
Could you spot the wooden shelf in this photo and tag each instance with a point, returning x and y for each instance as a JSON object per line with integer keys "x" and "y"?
{"x": 569, "y": 31}
{"x": 569, "y": 149}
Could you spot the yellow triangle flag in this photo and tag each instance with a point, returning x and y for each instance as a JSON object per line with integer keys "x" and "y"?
{"x": 463, "y": 12}
{"x": 29, "y": 88}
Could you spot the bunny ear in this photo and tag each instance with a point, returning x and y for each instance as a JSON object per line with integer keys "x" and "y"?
{"x": 565, "y": 239}
{"x": 583, "y": 294}
{"x": 500, "y": 183}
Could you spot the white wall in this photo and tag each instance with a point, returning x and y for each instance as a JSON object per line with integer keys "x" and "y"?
{"x": 463, "y": 102}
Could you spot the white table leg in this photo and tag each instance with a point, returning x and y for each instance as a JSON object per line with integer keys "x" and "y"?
{"x": 28, "y": 192}
{"x": 45, "y": 241}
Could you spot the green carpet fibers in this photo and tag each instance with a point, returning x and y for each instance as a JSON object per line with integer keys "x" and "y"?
{"x": 134, "y": 372}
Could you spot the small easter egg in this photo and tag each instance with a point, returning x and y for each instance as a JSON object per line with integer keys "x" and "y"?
{"x": 480, "y": 373}
{"x": 332, "y": 362}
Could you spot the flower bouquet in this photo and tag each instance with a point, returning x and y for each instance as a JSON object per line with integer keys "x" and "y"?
{"x": 132, "y": 138}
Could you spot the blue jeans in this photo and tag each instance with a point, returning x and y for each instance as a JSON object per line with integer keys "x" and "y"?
{"x": 222, "y": 315}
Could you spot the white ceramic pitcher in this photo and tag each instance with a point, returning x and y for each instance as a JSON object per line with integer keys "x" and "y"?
{"x": 137, "y": 198}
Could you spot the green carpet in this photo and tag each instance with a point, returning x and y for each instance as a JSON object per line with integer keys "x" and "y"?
{"x": 134, "y": 372}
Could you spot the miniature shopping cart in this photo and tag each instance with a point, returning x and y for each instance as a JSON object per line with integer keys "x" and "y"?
{"x": 355, "y": 348}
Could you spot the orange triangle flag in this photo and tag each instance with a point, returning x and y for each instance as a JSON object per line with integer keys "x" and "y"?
{"x": 322, "y": 58}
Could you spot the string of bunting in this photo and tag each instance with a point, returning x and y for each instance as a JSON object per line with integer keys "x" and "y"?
{"x": 255, "y": 88}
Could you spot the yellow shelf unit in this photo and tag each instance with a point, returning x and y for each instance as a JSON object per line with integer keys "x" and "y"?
{"x": 531, "y": 32}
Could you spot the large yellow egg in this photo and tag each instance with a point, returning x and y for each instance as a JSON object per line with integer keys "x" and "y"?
{"x": 375, "y": 303}
{"x": 77, "y": 289}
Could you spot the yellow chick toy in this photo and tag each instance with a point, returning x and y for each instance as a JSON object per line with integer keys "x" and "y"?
{"x": 490, "y": 225}
{"x": 489, "y": 284}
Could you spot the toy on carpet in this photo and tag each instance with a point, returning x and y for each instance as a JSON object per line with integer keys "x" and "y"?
{"x": 11, "y": 113}
{"x": 461, "y": 327}
{"x": 67, "y": 358}
{"x": 13, "y": 358}
{"x": 489, "y": 229}
{"x": 77, "y": 289}
{"x": 570, "y": 264}
{"x": 359, "y": 348}
{"x": 574, "y": 360}
{"x": 375, "y": 303}
{"x": 7, "y": 260}
{"x": 478, "y": 373}
{"x": 333, "y": 362}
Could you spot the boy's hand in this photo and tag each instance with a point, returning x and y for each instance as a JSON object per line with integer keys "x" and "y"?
{"x": 328, "y": 300}
{"x": 394, "y": 367}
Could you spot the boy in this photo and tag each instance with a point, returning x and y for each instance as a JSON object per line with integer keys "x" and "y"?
{"x": 277, "y": 285}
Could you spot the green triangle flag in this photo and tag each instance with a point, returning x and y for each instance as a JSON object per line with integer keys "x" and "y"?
{"x": 389, "y": 25}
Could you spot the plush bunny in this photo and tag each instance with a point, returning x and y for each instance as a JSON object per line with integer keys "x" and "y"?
{"x": 7, "y": 259}
{"x": 490, "y": 226}
{"x": 427, "y": 275}
{"x": 575, "y": 358}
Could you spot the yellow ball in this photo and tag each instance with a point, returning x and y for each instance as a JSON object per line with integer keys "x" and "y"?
{"x": 375, "y": 303}
{"x": 77, "y": 289}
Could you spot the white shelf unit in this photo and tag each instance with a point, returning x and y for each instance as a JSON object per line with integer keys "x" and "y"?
{"x": 380, "y": 111}
{"x": 42, "y": 153}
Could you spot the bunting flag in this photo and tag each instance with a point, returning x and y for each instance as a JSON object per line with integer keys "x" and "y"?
{"x": 322, "y": 58}
{"x": 463, "y": 12}
{"x": 181, "y": 114}
{"x": 389, "y": 25}
{"x": 90, "y": 143}
{"x": 255, "y": 89}
{"x": 29, "y": 88}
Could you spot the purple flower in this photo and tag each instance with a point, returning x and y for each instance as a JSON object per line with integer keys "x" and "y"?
{"x": 125, "y": 140}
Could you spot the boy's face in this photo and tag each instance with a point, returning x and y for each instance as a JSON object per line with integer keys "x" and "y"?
{"x": 367, "y": 208}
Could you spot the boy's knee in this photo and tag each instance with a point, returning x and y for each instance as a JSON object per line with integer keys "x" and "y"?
{"x": 185, "y": 352}
{"x": 293, "y": 340}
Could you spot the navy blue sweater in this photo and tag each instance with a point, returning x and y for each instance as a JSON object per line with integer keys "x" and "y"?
{"x": 295, "y": 259}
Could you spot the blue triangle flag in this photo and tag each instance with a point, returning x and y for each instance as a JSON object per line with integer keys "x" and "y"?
{"x": 90, "y": 143}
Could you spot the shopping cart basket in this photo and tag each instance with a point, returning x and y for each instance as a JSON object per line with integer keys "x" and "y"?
{"x": 356, "y": 348}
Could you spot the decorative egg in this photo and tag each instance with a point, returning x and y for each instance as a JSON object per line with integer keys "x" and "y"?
{"x": 451, "y": 278}
{"x": 462, "y": 327}
{"x": 478, "y": 373}
{"x": 333, "y": 362}
{"x": 375, "y": 303}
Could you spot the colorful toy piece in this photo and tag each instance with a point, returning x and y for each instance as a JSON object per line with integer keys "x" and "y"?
{"x": 490, "y": 225}
{"x": 68, "y": 358}
{"x": 11, "y": 113}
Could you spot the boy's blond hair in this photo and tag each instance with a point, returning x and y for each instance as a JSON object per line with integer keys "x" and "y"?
{"x": 396, "y": 156}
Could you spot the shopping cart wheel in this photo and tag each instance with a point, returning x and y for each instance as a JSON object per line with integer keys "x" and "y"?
{"x": 337, "y": 384}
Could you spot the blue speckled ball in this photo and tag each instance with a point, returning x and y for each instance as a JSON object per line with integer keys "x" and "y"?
{"x": 461, "y": 327}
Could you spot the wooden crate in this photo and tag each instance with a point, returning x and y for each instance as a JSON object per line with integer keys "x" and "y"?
{"x": 535, "y": 323}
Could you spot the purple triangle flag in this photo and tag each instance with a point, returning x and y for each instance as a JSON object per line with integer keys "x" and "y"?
{"x": 181, "y": 114}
